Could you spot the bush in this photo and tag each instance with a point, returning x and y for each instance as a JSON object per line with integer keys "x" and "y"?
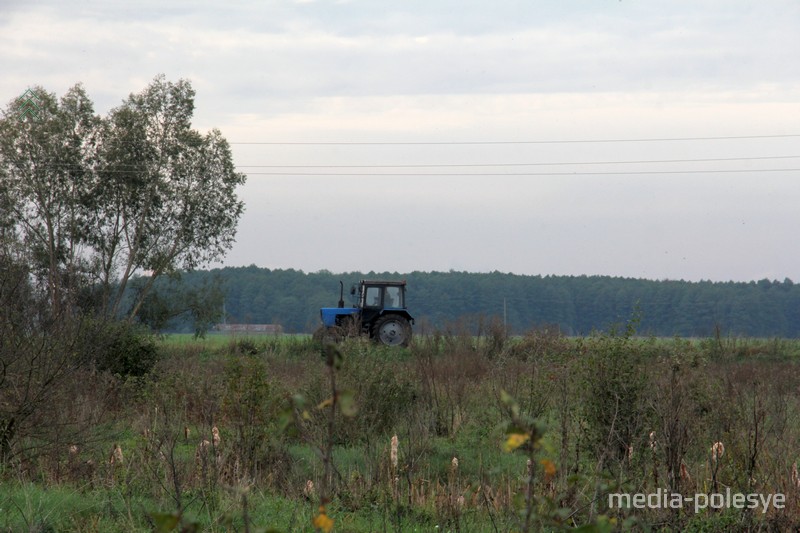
{"x": 251, "y": 405}
{"x": 120, "y": 348}
{"x": 383, "y": 396}
{"x": 382, "y": 392}
{"x": 614, "y": 389}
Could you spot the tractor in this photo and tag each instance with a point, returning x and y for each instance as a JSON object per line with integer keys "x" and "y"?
{"x": 378, "y": 310}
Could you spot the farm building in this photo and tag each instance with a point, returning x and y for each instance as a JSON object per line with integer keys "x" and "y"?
{"x": 250, "y": 328}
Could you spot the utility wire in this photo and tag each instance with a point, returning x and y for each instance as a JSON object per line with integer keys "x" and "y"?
{"x": 487, "y": 174}
{"x": 466, "y": 175}
{"x": 126, "y": 168}
{"x": 561, "y": 141}
{"x": 560, "y": 163}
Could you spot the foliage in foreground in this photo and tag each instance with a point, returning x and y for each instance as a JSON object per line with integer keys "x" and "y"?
{"x": 456, "y": 433}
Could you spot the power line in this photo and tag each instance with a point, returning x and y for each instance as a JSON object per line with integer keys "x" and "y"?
{"x": 501, "y": 174}
{"x": 560, "y": 163}
{"x": 466, "y": 175}
{"x": 133, "y": 168}
{"x": 561, "y": 141}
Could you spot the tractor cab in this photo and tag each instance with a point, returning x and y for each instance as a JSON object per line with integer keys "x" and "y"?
{"x": 377, "y": 297}
{"x": 379, "y": 310}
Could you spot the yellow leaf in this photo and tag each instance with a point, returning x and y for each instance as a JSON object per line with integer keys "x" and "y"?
{"x": 549, "y": 469}
{"x": 325, "y": 403}
{"x": 515, "y": 440}
{"x": 323, "y": 521}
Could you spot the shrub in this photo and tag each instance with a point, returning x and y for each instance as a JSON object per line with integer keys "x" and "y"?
{"x": 615, "y": 385}
{"x": 120, "y": 348}
{"x": 250, "y": 409}
{"x": 382, "y": 393}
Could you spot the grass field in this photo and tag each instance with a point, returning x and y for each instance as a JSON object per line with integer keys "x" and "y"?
{"x": 492, "y": 434}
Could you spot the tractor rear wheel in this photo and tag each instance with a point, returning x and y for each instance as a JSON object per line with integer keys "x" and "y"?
{"x": 392, "y": 330}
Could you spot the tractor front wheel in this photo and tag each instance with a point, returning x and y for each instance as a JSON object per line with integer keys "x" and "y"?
{"x": 392, "y": 330}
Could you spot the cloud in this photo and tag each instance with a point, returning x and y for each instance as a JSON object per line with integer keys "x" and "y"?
{"x": 461, "y": 70}
{"x": 280, "y": 50}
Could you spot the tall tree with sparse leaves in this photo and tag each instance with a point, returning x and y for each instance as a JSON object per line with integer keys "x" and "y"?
{"x": 169, "y": 192}
{"x": 47, "y": 163}
{"x": 86, "y": 204}
{"x": 99, "y": 201}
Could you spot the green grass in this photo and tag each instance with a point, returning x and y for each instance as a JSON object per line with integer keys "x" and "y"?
{"x": 30, "y": 507}
{"x": 442, "y": 400}
{"x": 221, "y": 340}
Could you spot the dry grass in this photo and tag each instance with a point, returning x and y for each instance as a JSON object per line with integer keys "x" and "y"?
{"x": 425, "y": 445}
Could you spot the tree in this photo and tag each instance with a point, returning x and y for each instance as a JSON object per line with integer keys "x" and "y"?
{"x": 47, "y": 161}
{"x": 86, "y": 205}
{"x": 100, "y": 201}
{"x": 168, "y": 193}
{"x": 182, "y": 300}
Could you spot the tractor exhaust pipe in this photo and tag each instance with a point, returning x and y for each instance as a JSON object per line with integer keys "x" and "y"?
{"x": 341, "y": 294}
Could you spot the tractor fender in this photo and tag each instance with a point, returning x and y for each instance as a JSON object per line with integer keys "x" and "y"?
{"x": 400, "y": 312}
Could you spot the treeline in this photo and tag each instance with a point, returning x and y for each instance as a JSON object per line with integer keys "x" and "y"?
{"x": 577, "y": 305}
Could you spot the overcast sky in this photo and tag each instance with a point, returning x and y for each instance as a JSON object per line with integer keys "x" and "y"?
{"x": 656, "y": 139}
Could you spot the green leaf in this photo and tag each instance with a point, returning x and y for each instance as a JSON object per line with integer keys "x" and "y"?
{"x": 510, "y": 403}
{"x": 298, "y": 401}
{"x": 285, "y": 419}
{"x": 347, "y": 403}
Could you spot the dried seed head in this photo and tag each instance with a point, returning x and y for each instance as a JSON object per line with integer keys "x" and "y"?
{"x": 529, "y": 468}
{"x": 308, "y": 490}
{"x": 73, "y": 450}
{"x": 717, "y": 451}
{"x": 215, "y": 438}
{"x": 685, "y": 473}
{"x": 653, "y": 440}
{"x": 795, "y": 477}
{"x": 116, "y": 455}
{"x": 454, "y": 465}
{"x": 393, "y": 452}
{"x": 201, "y": 451}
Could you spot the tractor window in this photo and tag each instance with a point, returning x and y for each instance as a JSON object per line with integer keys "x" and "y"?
{"x": 393, "y": 297}
{"x": 373, "y": 298}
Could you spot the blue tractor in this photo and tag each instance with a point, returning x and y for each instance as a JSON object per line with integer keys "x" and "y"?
{"x": 378, "y": 310}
